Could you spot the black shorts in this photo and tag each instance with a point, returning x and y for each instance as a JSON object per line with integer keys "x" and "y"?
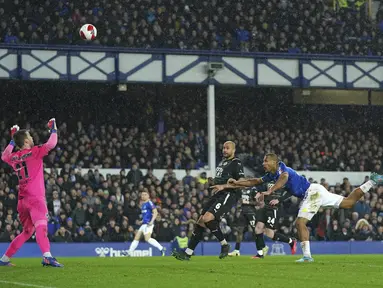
{"x": 220, "y": 204}
{"x": 248, "y": 216}
{"x": 268, "y": 216}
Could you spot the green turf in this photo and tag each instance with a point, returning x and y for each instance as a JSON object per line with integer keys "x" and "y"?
{"x": 166, "y": 272}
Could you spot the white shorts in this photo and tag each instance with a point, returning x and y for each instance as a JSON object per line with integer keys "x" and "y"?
{"x": 146, "y": 229}
{"x": 316, "y": 197}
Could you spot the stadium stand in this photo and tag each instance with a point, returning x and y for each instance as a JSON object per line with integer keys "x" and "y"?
{"x": 258, "y": 26}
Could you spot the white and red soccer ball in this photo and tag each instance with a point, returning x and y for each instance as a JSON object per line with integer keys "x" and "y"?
{"x": 88, "y": 32}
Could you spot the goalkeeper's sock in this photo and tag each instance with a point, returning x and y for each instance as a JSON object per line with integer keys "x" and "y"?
{"x": 5, "y": 258}
{"x": 47, "y": 255}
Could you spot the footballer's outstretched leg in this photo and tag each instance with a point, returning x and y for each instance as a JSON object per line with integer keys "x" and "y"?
{"x": 318, "y": 197}
{"x": 355, "y": 195}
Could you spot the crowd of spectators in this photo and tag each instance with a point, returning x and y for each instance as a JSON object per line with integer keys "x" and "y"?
{"x": 159, "y": 133}
{"x": 100, "y": 208}
{"x": 246, "y": 25}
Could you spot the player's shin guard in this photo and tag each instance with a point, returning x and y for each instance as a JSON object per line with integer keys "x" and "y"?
{"x": 282, "y": 238}
{"x": 260, "y": 243}
{"x": 215, "y": 230}
{"x": 17, "y": 243}
{"x": 42, "y": 238}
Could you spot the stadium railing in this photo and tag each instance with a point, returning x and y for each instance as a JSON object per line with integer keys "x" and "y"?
{"x": 123, "y": 65}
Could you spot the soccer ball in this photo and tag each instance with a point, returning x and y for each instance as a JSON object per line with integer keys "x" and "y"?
{"x": 88, "y": 32}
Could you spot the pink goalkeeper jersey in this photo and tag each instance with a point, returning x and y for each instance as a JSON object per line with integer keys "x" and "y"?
{"x": 28, "y": 164}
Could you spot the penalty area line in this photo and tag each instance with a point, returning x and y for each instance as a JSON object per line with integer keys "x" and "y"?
{"x": 24, "y": 284}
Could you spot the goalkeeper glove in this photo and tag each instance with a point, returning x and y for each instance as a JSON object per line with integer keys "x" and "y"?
{"x": 14, "y": 129}
{"x": 52, "y": 125}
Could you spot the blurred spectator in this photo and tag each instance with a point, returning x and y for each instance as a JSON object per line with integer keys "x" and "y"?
{"x": 101, "y": 237}
{"x": 62, "y": 235}
{"x": 81, "y": 236}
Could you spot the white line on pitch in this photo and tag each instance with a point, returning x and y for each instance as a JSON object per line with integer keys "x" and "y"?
{"x": 25, "y": 284}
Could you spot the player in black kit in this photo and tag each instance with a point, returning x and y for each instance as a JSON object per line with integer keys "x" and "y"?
{"x": 247, "y": 217}
{"x": 267, "y": 218}
{"x": 218, "y": 205}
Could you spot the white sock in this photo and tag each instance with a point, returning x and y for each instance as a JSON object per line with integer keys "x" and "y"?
{"x": 367, "y": 186}
{"x": 236, "y": 251}
{"x": 260, "y": 252}
{"x": 155, "y": 243}
{"x": 47, "y": 254}
{"x": 223, "y": 242}
{"x": 133, "y": 246}
{"x": 5, "y": 258}
{"x": 189, "y": 251}
{"x": 290, "y": 240}
{"x": 306, "y": 248}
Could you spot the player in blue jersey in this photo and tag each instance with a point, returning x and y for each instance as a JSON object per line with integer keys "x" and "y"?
{"x": 314, "y": 195}
{"x": 149, "y": 214}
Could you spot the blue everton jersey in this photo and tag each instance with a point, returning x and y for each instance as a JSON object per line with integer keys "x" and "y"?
{"x": 147, "y": 212}
{"x": 296, "y": 185}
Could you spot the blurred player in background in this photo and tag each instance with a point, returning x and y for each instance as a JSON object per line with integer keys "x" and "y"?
{"x": 267, "y": 221}
{"x": 149, "y": 214}
{"x": 262, "y": 220}
{"x": 27, "y": 162}
{"x": 314, "y": 195}
{"x": 247, "y": 218}
{"x": 218, "y": 205}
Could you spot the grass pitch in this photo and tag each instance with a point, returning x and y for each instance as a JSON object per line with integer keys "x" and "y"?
{"x": 165, "y": 272}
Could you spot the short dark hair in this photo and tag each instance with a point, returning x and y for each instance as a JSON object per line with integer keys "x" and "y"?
{"x": 19, "y": 137}
{"x": 272, "y": 156}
